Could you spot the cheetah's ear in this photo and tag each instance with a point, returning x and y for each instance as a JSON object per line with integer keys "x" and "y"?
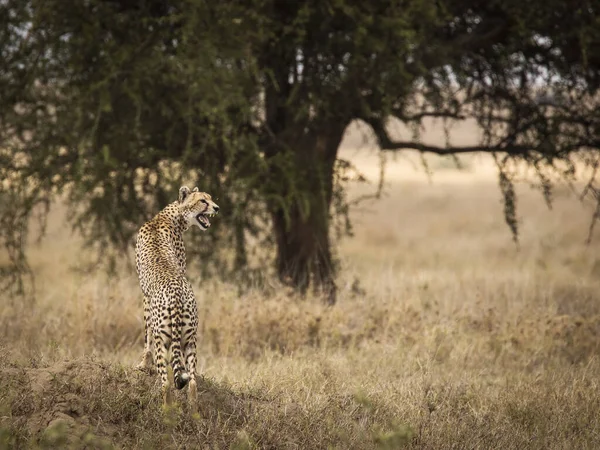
{"x": 195, "y": 189}
{"x": 184, "y": 191}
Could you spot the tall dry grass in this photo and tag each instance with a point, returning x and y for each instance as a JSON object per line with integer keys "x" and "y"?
{"x": 446, "y": 334}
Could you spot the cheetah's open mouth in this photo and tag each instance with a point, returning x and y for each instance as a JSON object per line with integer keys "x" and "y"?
{"x": 203, "y": 220}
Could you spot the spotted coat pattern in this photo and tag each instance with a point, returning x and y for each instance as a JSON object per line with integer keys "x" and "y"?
{"x": 170, "y": 309}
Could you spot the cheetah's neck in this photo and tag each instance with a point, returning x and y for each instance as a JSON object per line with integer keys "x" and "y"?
{"x": 172, "y": 213}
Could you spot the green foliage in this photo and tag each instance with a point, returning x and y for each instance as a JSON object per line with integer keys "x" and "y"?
{"x": 510, "y": 199}
{"x": 113, "y": 105}
{"x": 121, "y": 105}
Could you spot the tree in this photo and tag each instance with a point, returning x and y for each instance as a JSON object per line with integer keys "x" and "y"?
{"x": 253, "y": 99}
{"x": 322, "y": 65}
{"x": 114, "y": 105}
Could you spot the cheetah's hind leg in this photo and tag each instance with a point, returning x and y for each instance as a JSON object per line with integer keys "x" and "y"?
{"x": 189, "y": 337}
{"x": 147, "y": 362}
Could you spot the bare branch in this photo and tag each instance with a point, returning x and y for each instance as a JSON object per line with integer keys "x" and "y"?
{"x": 507, "y": 145}
{"x": 420, "y": 116}
{"x": 386, "y": 143}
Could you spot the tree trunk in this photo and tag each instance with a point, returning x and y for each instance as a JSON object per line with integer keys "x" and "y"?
{"x": 302, "y": 228}
{"x": 301, "y": 149}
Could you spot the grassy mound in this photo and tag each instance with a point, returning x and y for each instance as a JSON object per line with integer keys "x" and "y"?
{"x": 86, "y": 403}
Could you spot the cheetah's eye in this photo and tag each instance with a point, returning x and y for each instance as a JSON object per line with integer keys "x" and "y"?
{"x": 204, "y": 201}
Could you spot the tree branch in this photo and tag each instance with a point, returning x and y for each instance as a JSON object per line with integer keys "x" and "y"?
{"x": 410, "y": 145}
{"x": 386, "y": 143}
{"x": 435, "y": 114}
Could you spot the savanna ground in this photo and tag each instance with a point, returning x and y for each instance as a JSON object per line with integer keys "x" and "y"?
{"x": 445, "y": 335}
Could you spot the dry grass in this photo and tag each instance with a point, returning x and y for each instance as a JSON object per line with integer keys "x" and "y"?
{"x": 445, "y": 336}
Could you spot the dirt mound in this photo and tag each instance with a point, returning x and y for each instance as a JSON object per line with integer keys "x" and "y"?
{"x": 47, "y": 407}
{"x": 87, "y": 403}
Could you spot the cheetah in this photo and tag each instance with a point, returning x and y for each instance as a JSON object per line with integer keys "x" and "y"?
{"x": 170, "y": 310}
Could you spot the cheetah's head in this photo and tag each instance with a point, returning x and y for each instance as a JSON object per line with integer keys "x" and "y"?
{"x": 196, "y": 207}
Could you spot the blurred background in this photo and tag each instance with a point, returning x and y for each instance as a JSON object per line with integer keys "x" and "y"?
{"x": 405, "y": 254}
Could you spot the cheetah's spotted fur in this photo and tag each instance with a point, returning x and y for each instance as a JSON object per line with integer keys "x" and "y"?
{"x": 170, "y": 310}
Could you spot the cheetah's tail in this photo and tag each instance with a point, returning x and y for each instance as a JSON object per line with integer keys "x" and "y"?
{"x": 181, "y": 379}
{"x": 180, "y": 375}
